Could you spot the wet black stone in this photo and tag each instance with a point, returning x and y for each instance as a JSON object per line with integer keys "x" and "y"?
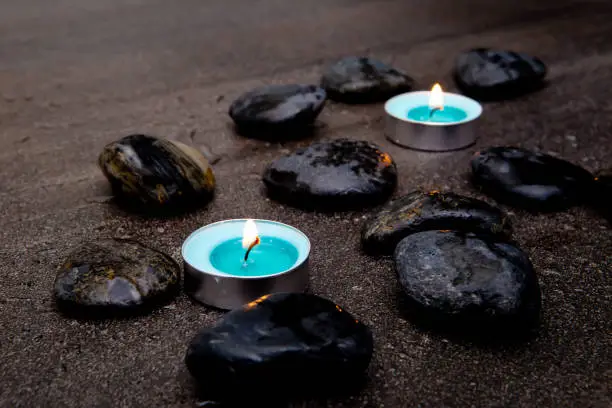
{"x": 529, "y": 180}
{"x": 115, "y": 276}
{"x": 278, "y": 111}
{"x": 468, "y": 282}
{"x": 364, "y": 80}
{"x": 337, "y": 175}
{"x": 285, "y": 343}
{"x": 420, "y": 211}
{"x": 601, "y": 195}
{"x": 154, "y": 175}
{"x": 490, "y": 75}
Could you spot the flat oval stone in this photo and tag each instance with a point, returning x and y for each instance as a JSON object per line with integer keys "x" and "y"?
{"x": 420, "y": 211}
{"x": 115, "y": 276}
{"x": 529, "y": 180}
{"x": 468, "y": 281}
{"x": 364, "y": 80}
{"x": 151, "y": 174}
{"x": 489, "y": 75}
{"x": 337, "y": 175}
{"x": 277, "y": 111}
{"x": 285, "y": 343}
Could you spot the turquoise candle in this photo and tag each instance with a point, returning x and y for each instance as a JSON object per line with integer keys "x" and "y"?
{"x": 218, "y": 249}
{"x": 271, "y": 256}
{"x": 449, "y": 114}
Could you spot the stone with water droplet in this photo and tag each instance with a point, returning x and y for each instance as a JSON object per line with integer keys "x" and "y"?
{"x": 154, "y": 175}
{"x": 280, "y": 345}
{"x": 338, "y": 175}
{"x": 364, "y": 80}
{"x": 488, "y": 74}
{"x": 115, "y": 276}
{"x": 466, "y": 281}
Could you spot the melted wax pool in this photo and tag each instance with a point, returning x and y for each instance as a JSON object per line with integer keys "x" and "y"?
{"x": 271, "y": 256}
{"x": 448, "y": 115}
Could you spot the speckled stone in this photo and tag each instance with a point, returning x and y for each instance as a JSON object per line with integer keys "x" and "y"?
{"x": 151, "y": 174}
{"x": 115, "y": 276}
{"x": 473, "y": 282}
{"x": 529, "y": 180}
{"x": 420, "y": 211}
{"x": 285, "y": 343}
{"x": 363, "y": 80}
{"x": 277, "y": 112}
{"x": 337, "y": 175}
{"x": 488, "y": 75}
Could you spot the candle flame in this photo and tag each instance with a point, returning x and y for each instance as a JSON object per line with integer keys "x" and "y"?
{"x": 436, "y": 98}
{"x": 249, "y": 234}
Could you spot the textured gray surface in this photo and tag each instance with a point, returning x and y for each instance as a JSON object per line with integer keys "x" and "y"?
{"x": 75, "y": 75}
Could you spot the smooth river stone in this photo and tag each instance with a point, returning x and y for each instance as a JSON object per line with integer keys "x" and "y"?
{"x": 338, "y": 175}
{"x": 420, "y": 211}
{"x": 455, "y": 280}
{"x": 364, "y": 80}
{"x": 490, "y": 75}
{"x": 285, "y": 343}
{"x": 115, "y": 276}
{"x": 152, "y": 174}
{"x": 529, "y": 180}
{"x": 277, "y": 111}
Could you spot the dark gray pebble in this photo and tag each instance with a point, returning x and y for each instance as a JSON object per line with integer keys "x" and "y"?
{"x": 337, "y": 175}
{"x": 490, "y": 75}
{"x": 364, "y": 80}
{"x": 280, "y": 345}
{"x": 421, "y": 211}
{"x": 529, "y": 180}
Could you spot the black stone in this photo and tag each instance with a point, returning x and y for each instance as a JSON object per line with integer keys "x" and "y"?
{"x": 285, "y": 343}
{"x": 490, "y": 75}
{"x": 153, "y": 175}
{"x": 529, "y": 180}
{"x": 420, "y": 211}
{"x": 364, "y": 80}
{"x": 113, "y": 277}
{"x": 473, "y": 283}
{"x": 278, "y": 111}
{"x": 601, "y": 195}
{"x": 337, "y": 175}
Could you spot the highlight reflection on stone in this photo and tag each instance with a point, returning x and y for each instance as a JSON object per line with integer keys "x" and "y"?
{"x": 529, "y": 180}
{"x": 471, "y": 282}
{"x": 364, "y": 80}
{"x": 490, "y": 75}
{"x": 285, "y": 344}
{"x": 420, "y": 211}
{"x": 154, "y": 174}
{"x": 113, "y": 276}
{"x": 278, "y": 112}
{"x": 336, "y": 175}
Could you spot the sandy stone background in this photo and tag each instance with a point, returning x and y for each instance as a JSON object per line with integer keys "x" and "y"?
{"x": 75, "y": 75}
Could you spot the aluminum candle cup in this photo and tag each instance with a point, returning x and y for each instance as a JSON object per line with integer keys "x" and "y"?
{"x": 416, "y": 121}
{"x": 217, "y": 274}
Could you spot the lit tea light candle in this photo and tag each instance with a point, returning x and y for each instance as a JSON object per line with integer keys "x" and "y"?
{"x": 230, "y": 263}
{"x": 432, "y": 120}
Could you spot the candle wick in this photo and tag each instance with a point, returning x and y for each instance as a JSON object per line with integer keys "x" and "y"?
{"x": 434, "y": 110}
{"x": 256, "y": 242}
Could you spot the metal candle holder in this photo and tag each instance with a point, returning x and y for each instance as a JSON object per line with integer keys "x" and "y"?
{"x": 224, "y": 291}
{"x": 426, "y": 135}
